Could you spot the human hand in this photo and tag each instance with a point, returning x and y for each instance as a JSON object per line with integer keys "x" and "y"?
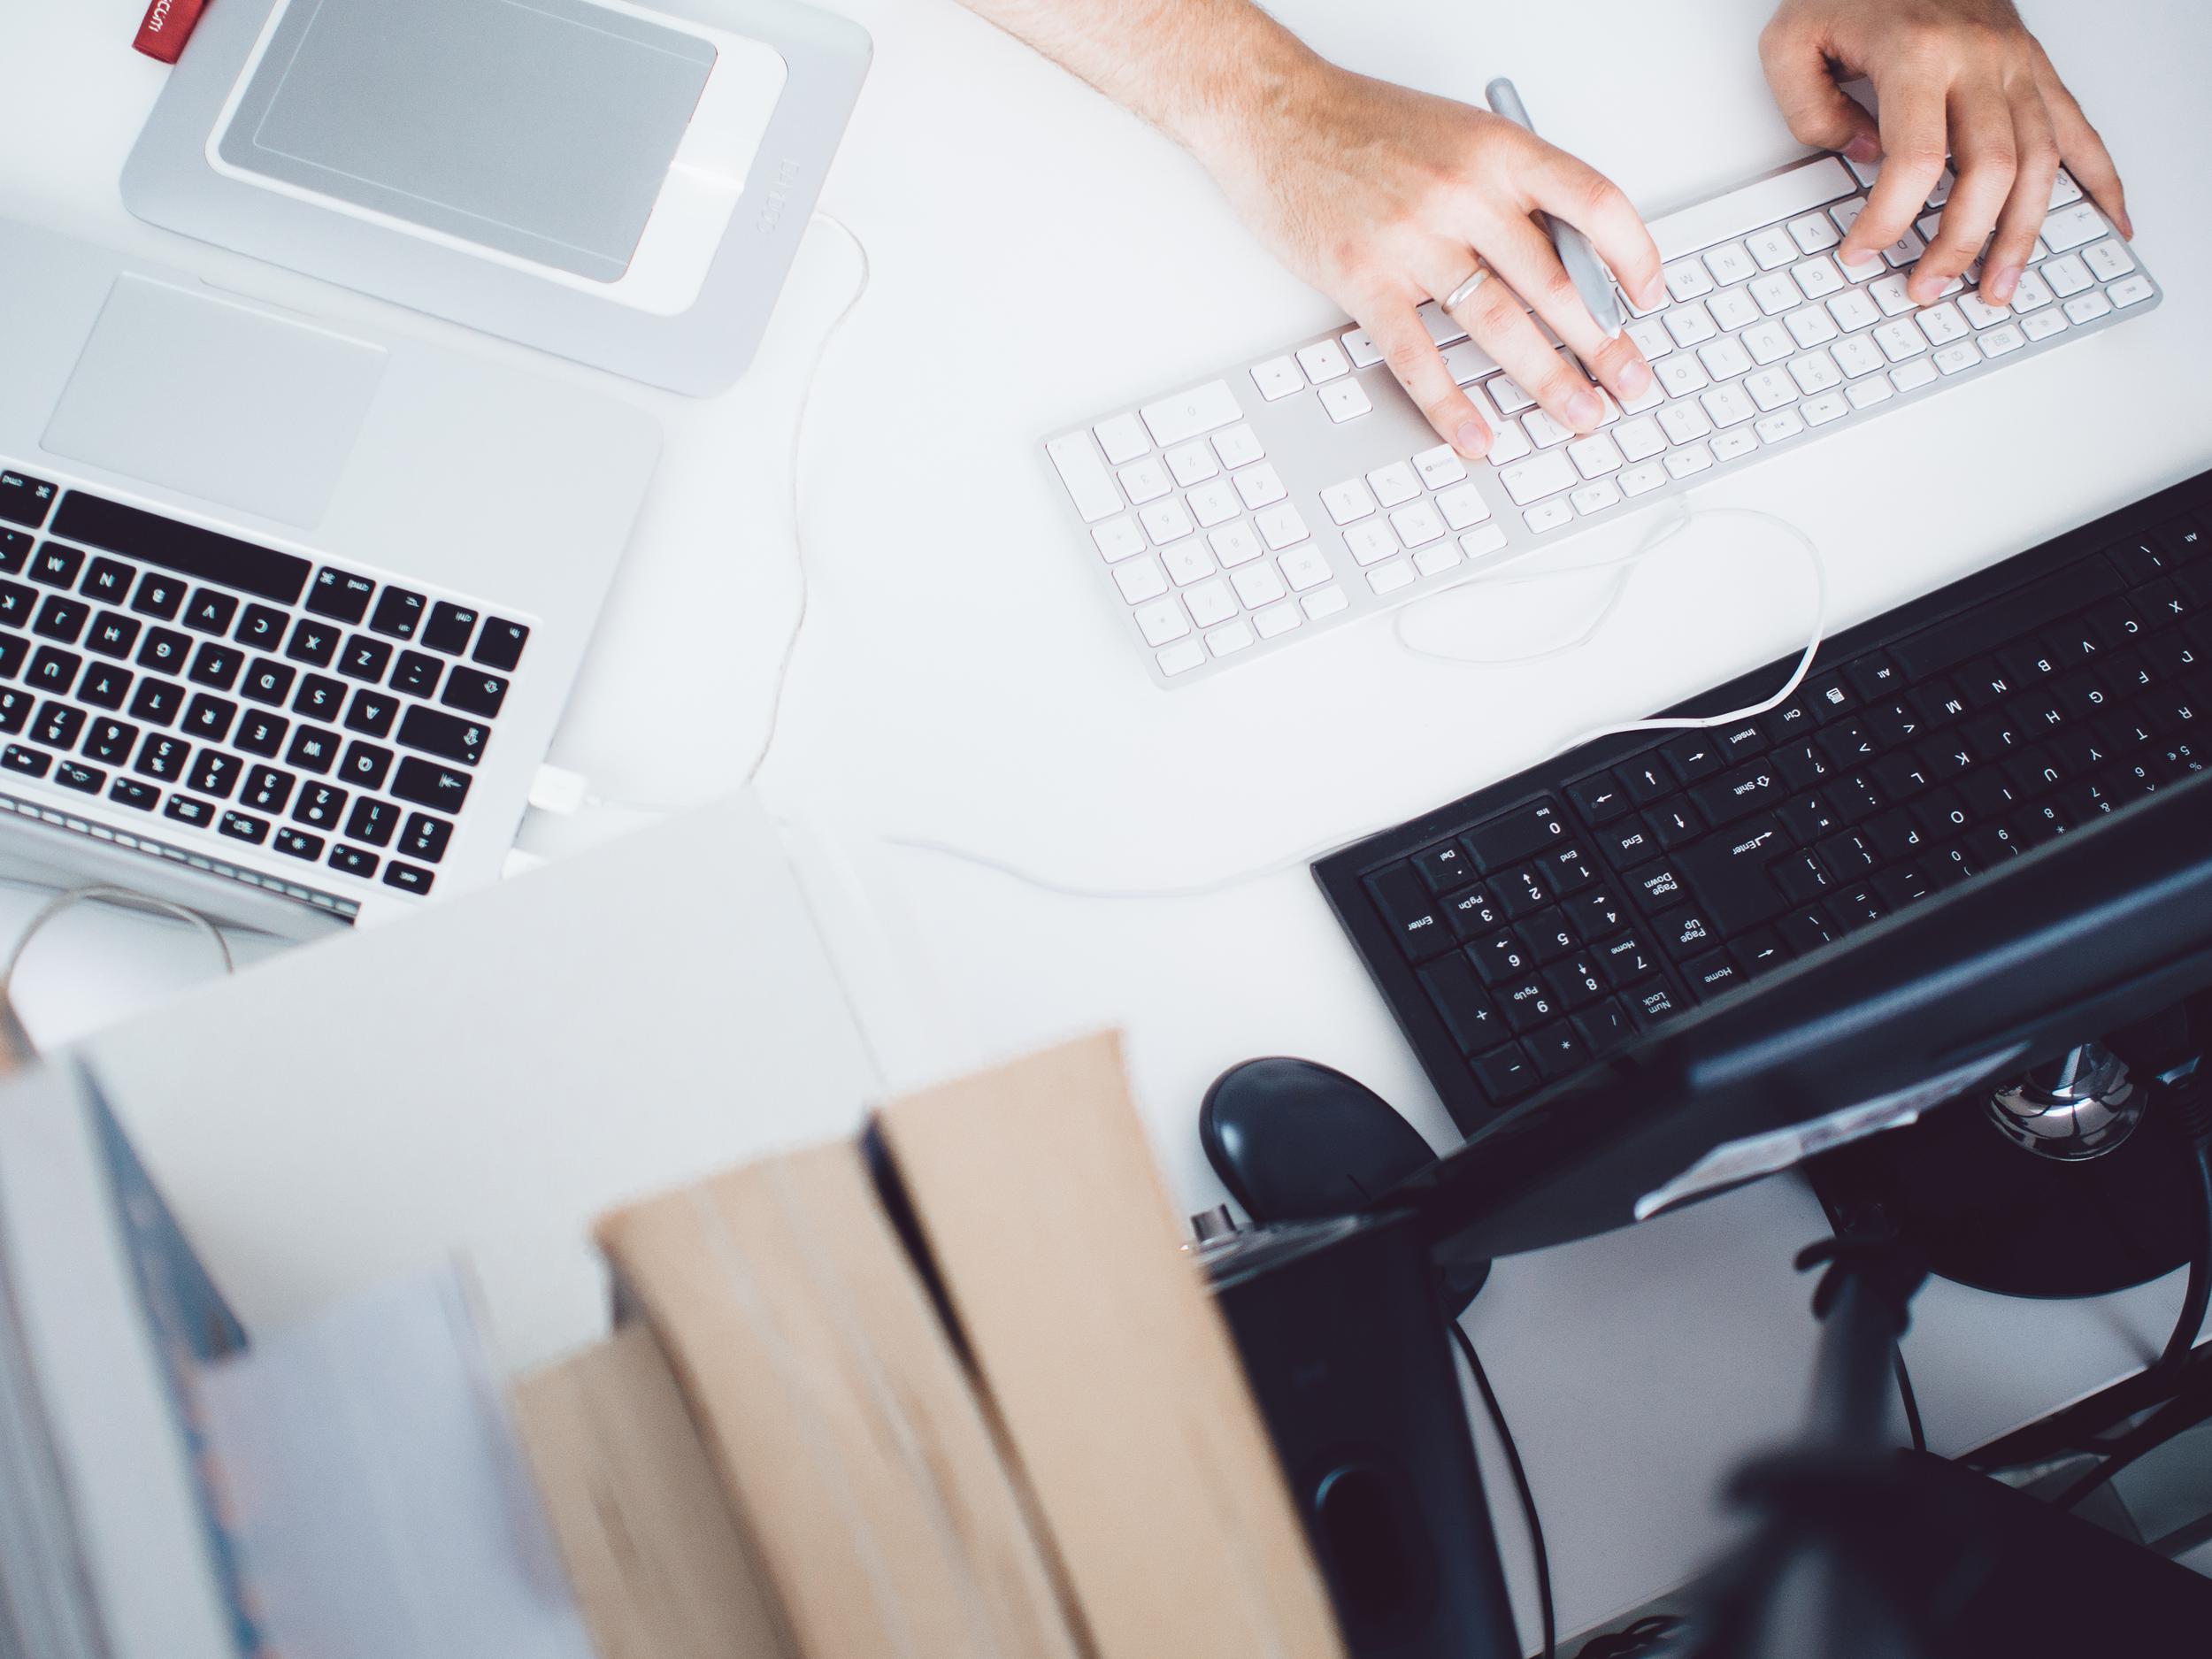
{"x": 1383, "y": 197}
{"x": 1964, "y": 76}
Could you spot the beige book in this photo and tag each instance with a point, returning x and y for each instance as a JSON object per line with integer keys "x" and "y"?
{"x": 838, "y": 1416}
{"x": 1115, "y": 1377}
{"x": 654, "y": 1554}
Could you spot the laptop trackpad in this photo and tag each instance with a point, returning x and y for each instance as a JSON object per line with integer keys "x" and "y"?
{"x": 217, "y": 401}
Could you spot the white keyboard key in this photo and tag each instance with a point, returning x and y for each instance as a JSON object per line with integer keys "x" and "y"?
{"x": 1088, "y": 483}
{"x": 1866, "y": 170}
{"x": 1980, "y": 313}
{"x": 1165, "y": 521}
{"x": 1478, "y": 544}
{"x": 1214, "y": 504}
{"x": 1237, "y": 447}
{"x": 2086, "y": 307}
{"x": 1468, "y": 362}
{"x": 2073, "y": 228}
{"x": 1942, "y": 324}
{"x": 2129, "y": 290}
{"x": 1345, "y": 399}
{"x": 1818, "y": 411}
{"x": 1509, "y": 395}
{"x": 1192, "y": 464}
{"x": 1394, "y": 485}
{"x": 1818, "y": 279}
{"x": 1324, "y": 361}
{"x": 1684, "y": 422}
{"x": 1544, "y": 431}
{"x": 1862, "y": 269}
{"x": 1899, "y": 339}
{"x": 1162, "y": 621}
{"x": 1234, "y": 545}
{"x": 1847, "y": 213}
{"x": 1905, "y": 249}
{"x": 1189, "y": 414}
{"x": 1997, "y": 341}
{"x": 1463, "y": 507}
{"x": 2064, "y": 191}
{"x": 1389, "y": 578}
{"x": 1889, "y": 294}
{"x": 1145, "y": 481}
{"x": 1858, "y": 355}
{"x": 1210, "y": 603}
{"x": 1816, "y": 371}
{"x": 1370, "y": 543}
{"x": 1730, "y": 263}
{"x": 1596, "y": 497}
{"x": 1691, "y": 457}
{"x": 1507, "y": 443}
{"x": 1683, "y": 375}
{"x": 1866, "y": 394}
{"x": 2068, "y": 276}
{"x": 1553, "y": 515}
{"x": 1723, "y": 359}
{"x": 1768, "y": 342}
{"x": 1180, "y": 659}
{"x": 2043, "y": 325}
{"x": 1912, "y": 377}
{"x": 1123, "y": 438}
{"x": 1141, "y": 579}
{"x": 2032, "y": 294}
{"x": 1815, "y": 233}
{"x": 1118, "y": 539}
{"x": 1260, "y": 485}
{"x": 1811, "y": 327}
{"x": 1324, "y": 602}
{"x": 1651, "y": 337}
{"x": 1690, "y": 325}
{"x": 1278, "y": 378}
{"x": 1235, "y": 637}
{"x": 1277, "y": 620}
{"x": 1728, "y": 406}
{"x": 1733, "y": 446}
{"x": 1772, "y": 248}
{"x": 1360, "y": 346}
{"x": 1595, "y": 456}
{"x": 1543, "y": 474}
{"x": 1418, "y": 525}
{"x": 1280, "y": 527}
{"x": 1440, "y": 467}
{"x": 1647, "y": 400}
{"x": 1734, "y": 310}
{"x": 1853, "y": 311}
{"x": 1941, "y": 193}
{"x": 1926, "y": 226}
{"x": 1639, "y": 438}
{"x": 1188, "y": 562}
{"x": 1957, "y": 356}
{"x": 1444, "y": 329}
{"x": 1640, "y": 480}
{"x": 1686, "y": 279}
{"x": 1305, "y": 568}
{"x": 1257, "y": 585}
{"x": 1784, "y": 423}
{"x": 1770, "y": 389}
{"x": 1429, "y": 561}
{"x": 1348, "y": 503}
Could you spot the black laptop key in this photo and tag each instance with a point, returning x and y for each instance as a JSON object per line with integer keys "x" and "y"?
{"x": 162, "y": 756}
{"x": 266, "y": 789}
{"x": 189, "y": 810}
{"x": 1463, "y": 1004}
{"x": 312, "y": 643}
{"x": 416, "y": 674}
{"x": 76, "y": 775}
{"x": 60, "y": 618}
{"x": 159, "y": 597}
{"x": 320, "y": 697}
{"x": 56, "y": 565}
{"x": 353, "y": 861}
{"x": 372, "y": 712}
{"x": 407, "y": 877}
{"x": 210, "y": 611}
{"x": 29, "y": 762}
{"x": 425, "y": 838}
{"x": 500, "y": 644}
{"x": 313, "y": 748}
{"x": 208, "y": 718}
{"x": 158, "y": 700}
{"x": 24, "y": 500}
{"x": 131, "y": 793}
{"x": 373, "y": 821}
{"x": 18, "y": 604}
{"x": 245, "y": 827}
{"x": 215, "y": 666}
{"x": 58, "y": 726}
{"x": 298, "y": 844}
{"x": 339, "y": 594}
{"x": 364, "y": 658}
{"x": 261, "y": 734}
{"x": 1407, "y": 905}
{"x": 261, "y": 629}
{"x": 15, "y": 551}
{"x": 398, "y": 613}
{"x": 448, "y": 628}
{"x": 108, "y": 741}
{"x": 113, "y": 635}
{"x": 185, "y": 549}
{"x": 365, "y": 766}
{"x": 105, "y": 685}
{"x": 107, "y": 581}
{"x": 320, "y": 806}
{"x": 2001, "y": 620}
{"x": 214, "y": 772}
{"x": 463, "y": 741}
{"x": 268, "y": 682}
{"x": 15, "y": 650}
{"x": 166, "y": 650}
{"x": 53, "y": 669}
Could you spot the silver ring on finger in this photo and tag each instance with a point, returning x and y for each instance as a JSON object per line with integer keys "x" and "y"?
{"x": 1467, "y": 290}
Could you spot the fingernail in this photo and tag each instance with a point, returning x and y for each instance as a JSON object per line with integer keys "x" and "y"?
{"x": 1655, "y": 294}
{"x": 2127, "y": 227}
{"x": 1636, "y": 378}
{"x": 1471, "y": 440}
{"x": 2001, "y": 283}
{"x": 1862, "y": 147}
{"x": 1584, "y": 410}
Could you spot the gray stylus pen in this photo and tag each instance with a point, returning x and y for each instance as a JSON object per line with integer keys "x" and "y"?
{"x": 1575, "y": 252}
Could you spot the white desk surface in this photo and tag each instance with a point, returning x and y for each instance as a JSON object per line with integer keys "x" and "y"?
{"x": 1039, "y": 257}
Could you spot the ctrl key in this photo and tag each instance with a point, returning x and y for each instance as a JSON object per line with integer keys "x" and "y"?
{"x": 1507, "y": 1074}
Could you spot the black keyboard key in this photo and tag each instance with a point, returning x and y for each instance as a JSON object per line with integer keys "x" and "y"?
{"x": 340, "y": 596}
{"x": 1441, "y": 868}
{"x": 373, "y": 821}
{"x": 18, "y": 604}
{"x": 60, "y": 618}
{"x": 500, "y": 645}
{"x": 1656, "y": 886}
{"x": 1570, "y": 869}
{"x": 1693, "y": 756}
{"x": 1546, "y": 935}
{"x": 166, "y": 650}
{"x": 1502, "y": 958}
{"x": 320, "y": 697}
{"x": 463, "y": 740}
{"x": 1874, "y": 676}
{"x": 1528, "y": 1005}
{"x": 1999, "y": 621}
{"x": 1473, "y": 913}
{"x": 215, "y": 666}
{"x": 188, "y": 809}
{"x": 416, "y": 674}
{"x": 2144, "y": 558}
{"x": 261, "y": 734}
{"x": 1685, "y": 931}
{"x": 75, "y": 775}
{"x": 364, "y": 658}
{"x": 372, "y": 712}
{"x": 365, "y": 766}
{"x": 1801, "y": 876}
{"x": 1600, "y": 799}
{"x": 1741, "y": 743}
{"x": 1760, "y": 951}
{"x": 1728, "y": 873}
{"x": 1557, "y": 1050}
{"x": 426, "y": 838}
{"x": 1651, "y": 1003}
{"x": 312, "y": 643}
{"x": 29, "y": 762}
{"x": 162, "y": 756}
{"x": 131, "y": 793}
{"x": 58, "y": 726}
{"x": 1849, "y": 743}
{"x": 1518, "y": 835}
{"x": 267, "y": 789}
{"x": 268, "y": 682}
{"x": 15, "y": 650}
{"x": 105, "y": 685}
{"x": 1675, "y": 822}
{"x": 53, "y": 669}
{"x": 1604, "y": 1024}
{"x": 321, "y": 806}
{"x": 208, "y": 718}
{"x": 448, "y": 628}
{"x": 398, "y": 613}
{"x": 24, "y": 500}
{"x": 158, "y": 700}
{"x": 15, "y": 551}
{"x": 314, "y": 748}
{"x": 110, "y": 740}
{"x": 1578, "y": 980}
{"x": 261, "y": 629}
{"x": 186, "y": 549}
{"x": 1857, "y": 907}
{"x": 1627, "y": 961}
{"x": 1596, "y": 915}
{"x": 1808, "y": 930}
{"x": 214, "y": 772}
{"x": 1628, "y": 844}
{"x": 353, "y": 861}
{"x": 1907, "y": 884}
{"x": 159, "y": 597}
{"x": 1712, "y": 974}
{"x": 1463, "y": 1004}
{"x": 1521, "y": 892}
{"x": 298, "y": 844}
{"x": 1726, "y": 799}
{"x": 112, "y": 634}
{"x": 1407, "y": 906}
{"x": 56, "y": 565}
{"x": 1830, "y": 698}
{"x": 245, "y": 827}
{"x": 1506, "y": 1074}
{"x": 210, "y": 612}
{"x": 1646, "y": 778}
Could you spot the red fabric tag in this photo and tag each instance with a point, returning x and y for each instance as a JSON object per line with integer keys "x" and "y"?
{"x": 168, "y": 25}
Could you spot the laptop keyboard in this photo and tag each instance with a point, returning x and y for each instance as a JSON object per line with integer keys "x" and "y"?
{"x": 235, "y": 695}
{"x": 1529, "y": 929}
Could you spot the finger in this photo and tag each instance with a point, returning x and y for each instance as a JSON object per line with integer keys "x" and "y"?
{"x": 1524, "y": 255}
{"x": 2084, "y": 151}
{"x": 1912, "y": 151}
{"x": 1819, "y": 112}
{"x": 2022, "y": 221}
{"x": 1493, "y": 320}
{"x": 1985, "y": 159}
{"x": 1572, "y": 189}
{"x": 1399, "y": 335}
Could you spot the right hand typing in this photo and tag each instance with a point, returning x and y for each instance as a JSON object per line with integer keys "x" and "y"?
{"x": 1383, "y": 197}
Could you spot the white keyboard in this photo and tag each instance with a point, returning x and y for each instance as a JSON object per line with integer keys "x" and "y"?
{"x": 1306, "y": 491}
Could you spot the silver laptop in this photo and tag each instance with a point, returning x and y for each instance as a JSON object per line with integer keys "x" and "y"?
{"x": 287, "y": 612}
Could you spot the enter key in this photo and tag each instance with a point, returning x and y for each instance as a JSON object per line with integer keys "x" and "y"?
{"x": 1728, "y": 873}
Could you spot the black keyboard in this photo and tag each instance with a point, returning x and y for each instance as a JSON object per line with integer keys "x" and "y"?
{"x": 1527, "y": 929}
{"x": 223, "y": 695}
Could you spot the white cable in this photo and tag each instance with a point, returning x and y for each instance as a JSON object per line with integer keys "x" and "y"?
{"x": 70, "y": 897}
